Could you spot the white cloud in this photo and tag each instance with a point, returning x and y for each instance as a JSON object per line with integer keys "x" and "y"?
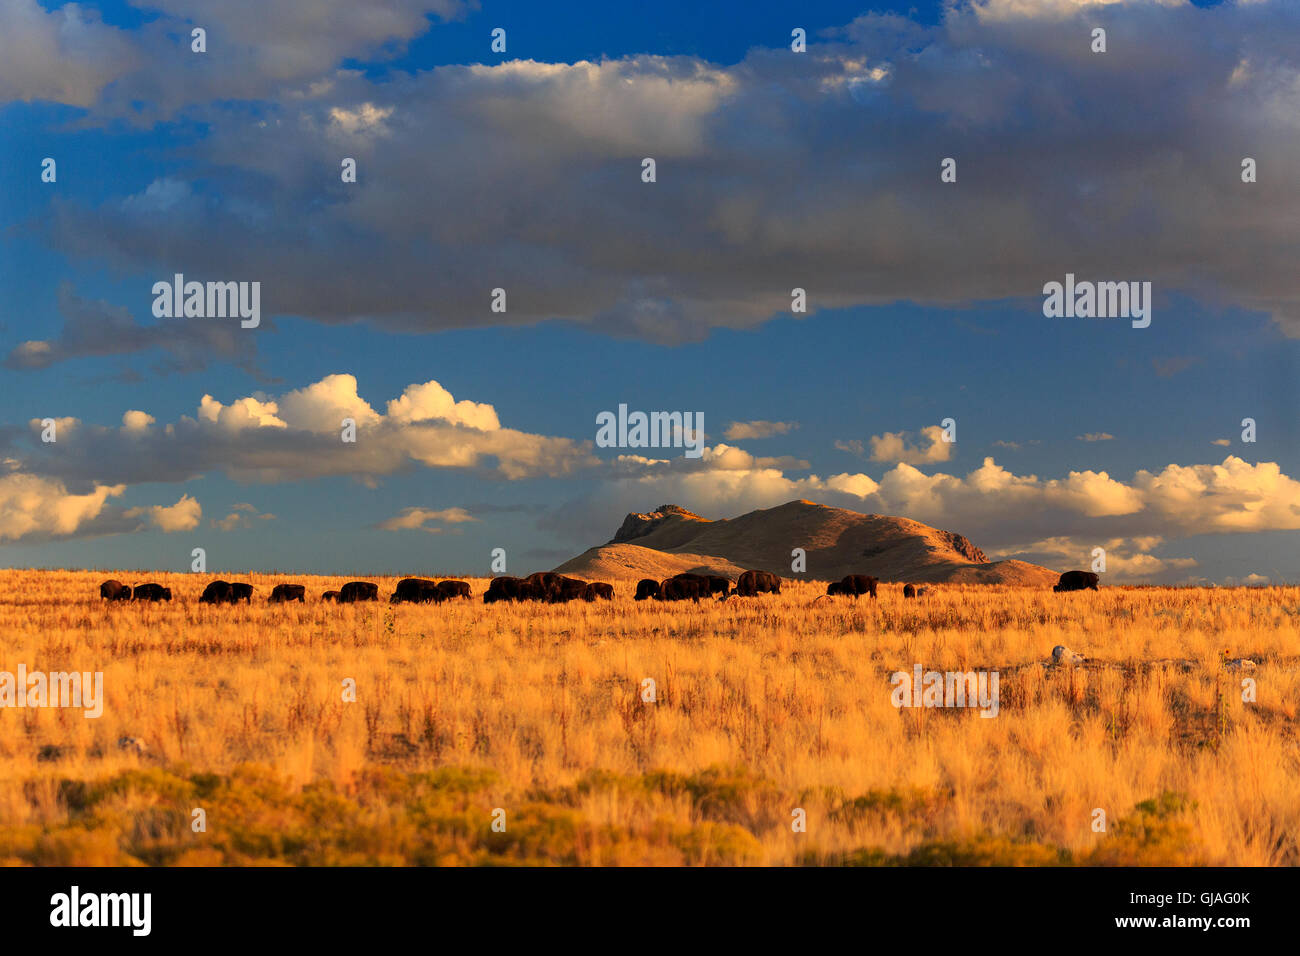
{"x": 182, "y": 516}
{"x": 36, "y": 507}
{"x": 895, "y": 446}
{"x": 420, "y": 518}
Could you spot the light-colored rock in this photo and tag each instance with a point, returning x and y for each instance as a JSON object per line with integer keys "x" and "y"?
{"x": 1063, "y": 655}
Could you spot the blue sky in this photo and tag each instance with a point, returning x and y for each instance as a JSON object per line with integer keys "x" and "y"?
{"x": 775, "y": 169}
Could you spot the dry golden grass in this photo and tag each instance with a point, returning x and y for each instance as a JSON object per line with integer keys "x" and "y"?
{"x": 764, "y": 705}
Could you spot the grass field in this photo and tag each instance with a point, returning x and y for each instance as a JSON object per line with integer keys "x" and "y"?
{"x": 764, "y": 706}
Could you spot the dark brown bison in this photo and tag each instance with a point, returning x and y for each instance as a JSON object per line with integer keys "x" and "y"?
{"x": 680, "y": 589}
{"x": 909, "y": 591}
{"x": 453, "y": 589}
{"x": 217, "y": 592}
{"x": 288, "y": 592}
{"x": 545, "y": 581}
{"x": 241, "y": 592}
{"x": 568, "y": 589}
{"x": 718, "y": 584}
{"x": 647, "y": 588}
{"x": 854, "y": 585}
{"x": 709, "y": 583}
{"x": 152, "y": 592}
{"x": 598, "y": 590}
{"x": 329, "y": 596}
{"x": 753, "y": 583}
{"x": 115, "y": 591}
{"x": 355, "y": 591}
{"x": 506, "y": 588}
{"x": 415, "y": 591}
{"x": 1076, "y": 581}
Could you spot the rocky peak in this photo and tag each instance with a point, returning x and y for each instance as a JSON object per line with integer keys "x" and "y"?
{"x": 636, "y": 524}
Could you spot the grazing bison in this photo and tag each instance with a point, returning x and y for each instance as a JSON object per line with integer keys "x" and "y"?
{"x": 330, "y": 596}
{"x": 718, "y": 584}
{"x": 241, "y": 592}
{"x": 288, "y": 592}
{"x": 909, "y": 591}
{"x": 415, "y": 591}
{"x": 453, "y": 589}
{"x": 115, "y": 591}
{"x": 568, "y": 589}
{"x": 1076, "y": 581}
{"x": 217, "y": 592}
{"x": 152, "y": 592}
{"x": 859, "y": 584}
{"x": 855, "y": 585}
{"x": 680, "y": 589}
{"x": 753, "y": 583}
{"x": 545, "y": 581}
{"x": 598, "y": 590}
{"x": 355, "y": 591}
{"x": 647, "y": 588}
{"x": 506, "y": 588}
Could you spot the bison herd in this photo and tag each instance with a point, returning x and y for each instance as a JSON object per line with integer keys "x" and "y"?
{"x": 546, "y": 587}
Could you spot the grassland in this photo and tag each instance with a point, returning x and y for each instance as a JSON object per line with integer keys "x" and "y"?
{"x": 763, "y": 706}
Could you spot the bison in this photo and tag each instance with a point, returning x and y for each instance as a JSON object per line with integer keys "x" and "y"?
{"x": 859, "y": 584}
{"x": 598, "y": 590}
{"x": 288, "y": 592}
{"x": 909, "y": 591}
{"x": 545, "y": 581}
{"x": 453, "y": 589}
{"x": 115, "y": 591}
{"x": 217, "y": 592}
{"x": 241, "y": 592}
{"x": 329, "y": 596}
{"x": 568, "y": 589}
{"x": 718, "y": 584}
{"x": 709, "y": 583}
{"x": 647, "y": 588}
{"x": 1076, "y": 581}
{"x": 152, "y": 592}
{"x": 680, "y": 589}
{"x": 416, "y": 591}
{"x": 753, "y": 583}
{"x": 355, "y": 591}
{"x": 506, "y": 588}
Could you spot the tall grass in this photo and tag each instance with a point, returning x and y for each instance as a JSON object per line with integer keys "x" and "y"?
{"x": 764, "y": 706}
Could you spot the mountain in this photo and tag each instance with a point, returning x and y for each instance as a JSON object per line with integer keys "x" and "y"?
{"x": 670, "y": 540}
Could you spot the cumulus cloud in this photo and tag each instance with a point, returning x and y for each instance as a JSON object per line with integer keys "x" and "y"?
{"x": 1127, "y": 560}
{"x": 134, "y": 420}
{"x": 242, "y": 515}
{"x": 298, "y": 434}
{"x": 426, "y": 519}
{"x": 742, "y": 431}
{"x": 1001, "y": 510}
{"x": 182, "y": 516}
{"x": 34, "y": 508}
{"x": 895, "y": 446}
{"x": 761, "y": 174}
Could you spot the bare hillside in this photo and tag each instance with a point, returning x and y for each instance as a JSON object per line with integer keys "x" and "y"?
{"x": 837, "y": 541}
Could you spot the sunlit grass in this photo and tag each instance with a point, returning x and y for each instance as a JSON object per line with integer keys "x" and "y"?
{"x": 764, "y": 706}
